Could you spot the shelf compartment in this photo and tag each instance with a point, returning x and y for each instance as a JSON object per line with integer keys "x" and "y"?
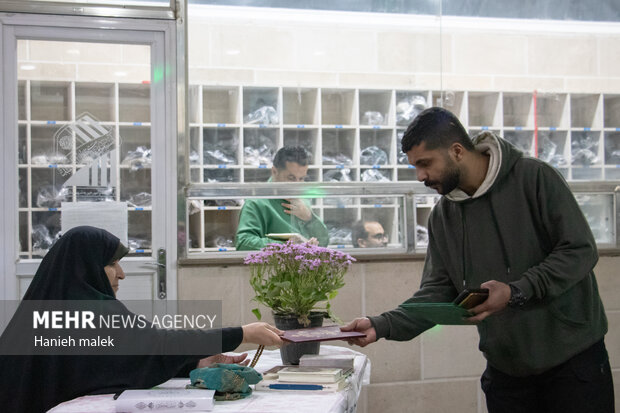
{"x": 300, "y": 106}
{"x": 220, "y": 228}
{"x": 259, "y": 146}
{"x": 338, "y": 107}
{"x": 135, "y": 146}
{"x": 612, "y": 148}
{"x": 585, "y": 149}
{"x": 306, "y": 138}
{"x": 523, "y": 140}
{"x": 139, "y": 234}
{"x": 407, "y": 174}
{"x": 135, "y": 185}
{"x": 376, "y": 147}
{"x": 408, "y": 105}
{"x": 518, "y": 110}
{"x": 220, "y": 146}
{"x": 450, "y": 100}
{"x": 553, "y": 148}
{"x": 45, "y": 229}
{"x": 335, "y": 174}
{"x": 611, "y": 110}
{"x": 134, "y": 102}
{"x": 46, "y": 188}
{"x": 585, "y": 111}
{"x": 484, "y": 109}
{"x": 50, "y": 101}
{"x": 338, "y": 146}
{"x": 375, "y": 107}
{"x": 23, "y": 183}
{"x": 260, "y": 106}
{"x": 221, "y": 105}
{"x": 215, "y": 175}
{"x": 552, "y": 110}
{"x": 256, "y": 174}
{"x": 195, "y": 146}
{"x": 22, "y": 144}
{"x": 97, "y": 99}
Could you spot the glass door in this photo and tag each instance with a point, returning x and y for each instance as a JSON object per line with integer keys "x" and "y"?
{"x": 86, "y": 114}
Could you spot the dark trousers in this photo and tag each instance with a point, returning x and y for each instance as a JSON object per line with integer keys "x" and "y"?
{"x": 583, "y": 384}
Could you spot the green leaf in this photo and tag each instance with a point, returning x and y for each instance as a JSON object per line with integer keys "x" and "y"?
{"x": 257, "y": 313}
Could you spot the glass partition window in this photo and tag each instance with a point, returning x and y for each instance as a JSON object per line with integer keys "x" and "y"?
{"x": 246, "y": 224}
{"x": 84, "y": 135}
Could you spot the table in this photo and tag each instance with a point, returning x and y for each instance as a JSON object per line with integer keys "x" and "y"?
{"x": 344, "y": 401}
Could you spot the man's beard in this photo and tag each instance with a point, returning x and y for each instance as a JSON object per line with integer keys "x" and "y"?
{"x": 448, "y": 181}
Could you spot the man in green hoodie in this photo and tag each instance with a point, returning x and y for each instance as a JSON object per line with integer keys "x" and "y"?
{"x": 510, "y": 224}
{"x": 260, "y": 217}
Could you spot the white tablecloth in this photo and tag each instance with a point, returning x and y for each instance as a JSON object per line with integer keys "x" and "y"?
{"x": 344, "y": 401}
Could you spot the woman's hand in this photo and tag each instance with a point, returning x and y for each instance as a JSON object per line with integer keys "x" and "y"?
{"x": 224, "y": 359}
{"x": 263, "y": 334}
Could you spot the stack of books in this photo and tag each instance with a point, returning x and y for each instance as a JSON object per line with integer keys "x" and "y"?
{"x": 168, "y": 400}
{"x": 305, "y": 378}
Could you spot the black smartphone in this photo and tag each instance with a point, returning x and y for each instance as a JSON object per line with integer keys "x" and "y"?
{"x": 469, "y": 298}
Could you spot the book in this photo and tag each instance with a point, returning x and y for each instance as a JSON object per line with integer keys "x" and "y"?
{"x": 272, "y": 373}
{"x": 183, "y": 400}
{"x": 306, "y": 335}
{"x": 310, "y": 374}
{"x": 343, "y": 361}
{"x": 439, "y": 313}
{"x": 312, "y": 387}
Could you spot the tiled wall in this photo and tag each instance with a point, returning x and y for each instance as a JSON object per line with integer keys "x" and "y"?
{"x": 438, "y": 371}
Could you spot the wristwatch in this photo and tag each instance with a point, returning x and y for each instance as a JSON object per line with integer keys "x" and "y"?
{"x": 517, "y": 299}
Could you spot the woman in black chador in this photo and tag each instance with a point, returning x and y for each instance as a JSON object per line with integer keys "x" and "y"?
{"x": 83, "y": 265}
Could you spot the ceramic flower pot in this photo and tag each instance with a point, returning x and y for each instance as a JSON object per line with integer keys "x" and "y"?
{"x": 291, "y": 352}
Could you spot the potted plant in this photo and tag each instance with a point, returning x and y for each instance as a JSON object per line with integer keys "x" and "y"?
{"x": 297, "y": 281}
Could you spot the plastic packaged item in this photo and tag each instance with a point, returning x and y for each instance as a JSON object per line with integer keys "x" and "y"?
{"x": 94, "y": 194}
{"x": 141, "y": 199}
{"x": 421, "y": 235}
{"x": 584, "y": 150}
{"x": 265, "y": 115}
{"x": 42, "y": 239}
{"x": 547, "y": 151}
{"x": 138, "y": 244}
{"x": 51, "y": 197}
{"x": 373, "y": 155}
{"x": 49, "y": 159}
{"x": 402, "y": 156}
{"x": 408, "y": 108}
{"x": 372, "y": 118}
{"x": 337, "y": 175}
{"x": 221, "y": 241}
{"x": 218, "y": 157}
{"x": 373, "y": 175}
{"x": 138, "y": 159}
{"x": 222, "y": 202}
{"x": 219, "y": 175}
{"x": 263, "y": 155}
{"x": 194, "y": 157}
{"x": 339, "y": 236}
{"x": 336, "y": 159}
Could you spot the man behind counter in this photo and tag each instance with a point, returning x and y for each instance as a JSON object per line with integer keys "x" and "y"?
{"x": 368, "y": 234}
{"x": 260, "y": 217}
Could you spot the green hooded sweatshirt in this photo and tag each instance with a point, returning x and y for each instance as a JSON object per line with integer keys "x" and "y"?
{"x": 524, "y": 227}
{"x": 265, "y": 216}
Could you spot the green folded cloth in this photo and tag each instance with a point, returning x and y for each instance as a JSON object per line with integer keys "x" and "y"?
{"x": 230, "y": 381}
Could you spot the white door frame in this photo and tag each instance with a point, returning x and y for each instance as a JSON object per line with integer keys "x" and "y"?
{"x": 161, "y": 35}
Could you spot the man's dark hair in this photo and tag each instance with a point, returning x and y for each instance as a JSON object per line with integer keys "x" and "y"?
{"x": 286, "y": 154}
{"x": 358, "y": 230}
{"x": 437, "y": 128}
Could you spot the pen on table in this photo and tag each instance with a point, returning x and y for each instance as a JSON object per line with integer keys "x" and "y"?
{"x": 284, "y": 386}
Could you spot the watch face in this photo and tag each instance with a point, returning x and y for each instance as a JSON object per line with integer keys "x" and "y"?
{"x": 517, "y": 298}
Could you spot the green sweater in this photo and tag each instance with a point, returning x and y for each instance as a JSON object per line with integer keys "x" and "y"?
{"x": 264, "y": 216}
{"x": 526, "y": 229}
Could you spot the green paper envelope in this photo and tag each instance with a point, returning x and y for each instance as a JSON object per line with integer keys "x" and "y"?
{"x": 438, "y": 313}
